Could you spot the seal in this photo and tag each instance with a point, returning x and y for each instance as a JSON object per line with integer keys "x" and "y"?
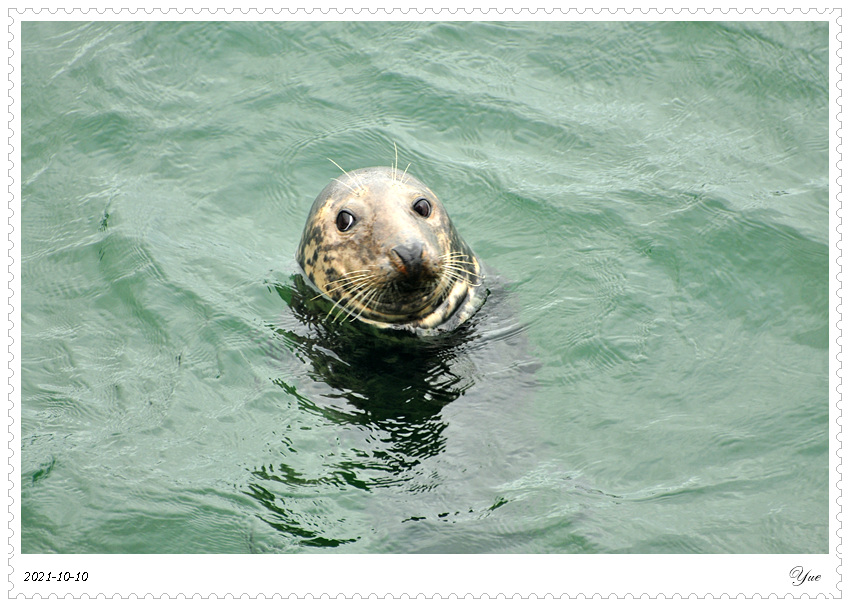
{"x": 380, "y": 246}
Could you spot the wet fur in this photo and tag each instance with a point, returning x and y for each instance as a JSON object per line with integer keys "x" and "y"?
{"x": 356, "y": 269}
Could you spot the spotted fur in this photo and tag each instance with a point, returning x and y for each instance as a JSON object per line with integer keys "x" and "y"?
{"x": 359, "y": 271}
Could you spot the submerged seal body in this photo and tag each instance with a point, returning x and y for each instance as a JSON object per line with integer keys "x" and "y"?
{"x": 380, "y": 246}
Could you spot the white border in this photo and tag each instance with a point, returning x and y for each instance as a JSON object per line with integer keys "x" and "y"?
{"x": 414, "y": 575}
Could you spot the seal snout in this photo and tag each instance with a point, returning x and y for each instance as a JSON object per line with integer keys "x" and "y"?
{"x": 407, "y": 259}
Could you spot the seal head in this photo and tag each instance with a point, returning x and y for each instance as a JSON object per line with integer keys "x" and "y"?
{"x": 380, "y": 246}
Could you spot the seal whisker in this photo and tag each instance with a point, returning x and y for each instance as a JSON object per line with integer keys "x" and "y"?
{"x": 347, "y": 174}
{"x": 351, "y": 317}
{"x": 364, "y": 305}
{"x": 342, "y": 309}
{"x": 362, "y": 293}
{"x": 348, "y": 287}
{"x": 352, "y": 294}
{"x": 454, "y": 273}
{"x": 333, "y": 307}
{"x": 455, "y": 255}
{"x": 351, "y": 273}
{"x": 337, "y": 304}
{"x": 353, "y": 191}
{"x": 350, "y": 276}
{"x": 468, "y": 276}
{"x": 351, "y": 285}
{"x": 348, "y": 283}
{"x": 345, "y": 308}
{"x": 460, "y": 263}
{"x": 456, "y": 262}
{"x": 459, "y": 277}
{"x": 466, "y": 280}
{"x": 364, "y": 299}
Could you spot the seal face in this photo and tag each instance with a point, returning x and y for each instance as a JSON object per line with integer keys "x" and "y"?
{"x": 380, "y": 246}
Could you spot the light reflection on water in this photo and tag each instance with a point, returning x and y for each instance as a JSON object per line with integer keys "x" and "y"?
{"x": 648, "y": 375}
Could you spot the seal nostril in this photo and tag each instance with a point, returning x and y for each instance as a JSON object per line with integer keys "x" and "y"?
{"x": 410, "y": 257}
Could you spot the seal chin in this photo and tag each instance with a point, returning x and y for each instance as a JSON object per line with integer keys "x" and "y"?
{"x": 404, "y": 300}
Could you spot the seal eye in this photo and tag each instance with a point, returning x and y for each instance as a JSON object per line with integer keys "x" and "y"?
{"x": 422, "y": 206}
{"x": 344, "y": 221}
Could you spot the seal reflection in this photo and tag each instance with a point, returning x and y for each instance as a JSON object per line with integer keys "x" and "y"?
{"x": 394, "y": 380}
{"x": 386, "y": 389}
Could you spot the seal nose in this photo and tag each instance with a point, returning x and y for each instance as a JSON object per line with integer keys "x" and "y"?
{"x": 410, "y": 256}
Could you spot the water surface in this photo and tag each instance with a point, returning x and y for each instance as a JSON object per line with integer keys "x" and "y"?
{"x": 650, "y": 373}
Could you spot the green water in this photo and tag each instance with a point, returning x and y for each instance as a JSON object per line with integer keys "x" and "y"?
{"x": 650, "y": 373}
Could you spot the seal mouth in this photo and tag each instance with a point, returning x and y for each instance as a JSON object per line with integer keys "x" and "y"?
{"x": 409, "y": 290}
